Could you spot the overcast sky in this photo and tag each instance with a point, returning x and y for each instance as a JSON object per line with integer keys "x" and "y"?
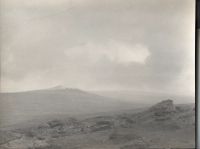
{"x": 143, "y": 45}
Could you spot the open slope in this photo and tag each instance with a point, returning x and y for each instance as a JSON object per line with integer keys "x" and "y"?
{"x": 163, "y": 125}
{"x": 23, "y": 106}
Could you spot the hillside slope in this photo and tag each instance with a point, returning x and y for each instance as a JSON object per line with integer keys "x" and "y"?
{"x": 22, "y": 106}
{"x": 163, "y": 125}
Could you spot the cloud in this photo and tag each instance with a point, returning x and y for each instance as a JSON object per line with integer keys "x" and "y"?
{"x": 90, "y": 44}
{"x": 116, "y": 52}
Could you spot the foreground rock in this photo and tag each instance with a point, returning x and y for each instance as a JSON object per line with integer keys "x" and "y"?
{"x": 162, "y": 125}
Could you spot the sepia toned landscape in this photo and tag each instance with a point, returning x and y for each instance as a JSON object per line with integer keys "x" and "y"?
{"x": 97, "y": 74}
{"x": 91, "y": 124}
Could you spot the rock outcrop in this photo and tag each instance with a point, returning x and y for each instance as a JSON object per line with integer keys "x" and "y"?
{"x": 124, "y": 131}
{"x": 163, "y": 110}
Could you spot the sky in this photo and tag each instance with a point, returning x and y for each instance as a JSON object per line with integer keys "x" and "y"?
{"x": 139, "y": 45}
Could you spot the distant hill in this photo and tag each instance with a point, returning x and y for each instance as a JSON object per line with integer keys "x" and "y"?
{"x": 146, "y": 98}
{"x": 20, "y": 106}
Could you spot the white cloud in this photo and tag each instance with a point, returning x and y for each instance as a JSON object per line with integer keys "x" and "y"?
{"x": 117, "y": 52}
